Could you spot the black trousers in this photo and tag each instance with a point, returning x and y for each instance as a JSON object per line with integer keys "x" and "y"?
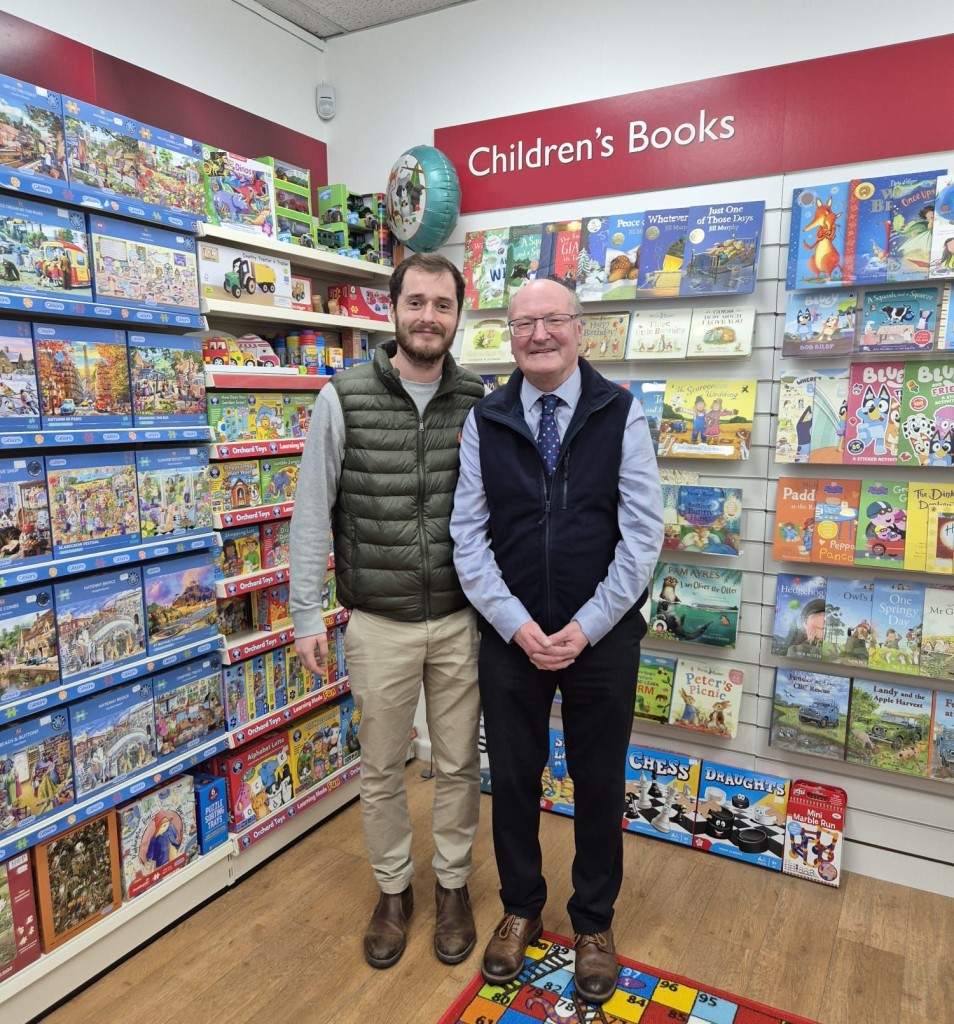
{"x": 599, "y": 694}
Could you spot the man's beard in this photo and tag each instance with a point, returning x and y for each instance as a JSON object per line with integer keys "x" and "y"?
{"x": 420, "y": 353}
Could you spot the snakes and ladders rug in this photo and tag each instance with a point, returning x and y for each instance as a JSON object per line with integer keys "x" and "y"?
{"x": 544, "y": 993}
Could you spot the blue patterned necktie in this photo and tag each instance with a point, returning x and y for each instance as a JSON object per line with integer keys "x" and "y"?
{"x": 548, "y": 437}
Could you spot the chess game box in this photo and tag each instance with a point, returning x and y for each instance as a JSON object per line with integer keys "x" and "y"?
{"x": 661, "y": 791}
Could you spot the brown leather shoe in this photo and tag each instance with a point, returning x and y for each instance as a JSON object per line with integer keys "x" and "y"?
{"x": 596, "y": 966}
{"x": 507, "y": 949}
{"x": 386, "y": 937}
{"x": 455, "y": 934}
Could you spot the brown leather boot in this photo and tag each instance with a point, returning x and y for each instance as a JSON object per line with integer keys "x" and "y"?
{"x": 455, "y": 934}
{"x": 386, "y": 937}
{"x": 596, "y": 966}
{"x": 507, "y": 949}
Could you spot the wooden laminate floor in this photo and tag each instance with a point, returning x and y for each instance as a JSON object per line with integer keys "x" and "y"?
{"x": 285, "y": 944}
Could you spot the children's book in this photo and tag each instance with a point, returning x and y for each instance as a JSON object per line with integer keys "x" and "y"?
{"x": 36, "y": 776}
{"x": 604, "y": 335}
{"x": 889, "y": 726}
{"x": 695, "y": 603}
{"x": 654, "y": 681}
{"x": 722, "y": 249}
{"x": 560, "y": 251}
{"x": 174, "y": 492}
{"x": 702, "y": 519}
{"x": 942, "y": 744}
{"x": 93, "y": 502}
{"x": 99, "y": 622}
{"x": 189, "y": 707}
{"x": 19, "y": 393}
{"x": 798, "y": 629}
{"x": 816, "y": 243}
{"x": 867, "y": 231}
{"x": 942, "y": 231}
{"x": 836, "y": 521}
{"x": 557, "y": 786}
{"x": 820, "y": 324}
{"x": 473, "y": 256}
{"x": 659, "y": 334}
{"x": 649, "y": 394}
{"x": 794, "y": 519}
{"x": 590, "y": 275}
{"x": 849, "y": 609}
{"x": 608, "y": 264}
{"x": 180, "y": 601}
{"x": 706, "y": 696}
{"x": 937, "y": 633}
{"x": 882, "y": 524}
{"x": 167, "y": 378}
{"x": 84, "y": 377}
{"x": 898, "y": 320}
{"x": 911, "y": 211}
{"x": 927, "y": 415}
{"x": 724, "y": 332}
{"x": 24, "y": 512}
{"x": 810, "y": 712}
{"x": 523, "y": 255}
{"x": 662, "y": 788}
{"x": 662, "y": 253}
{"x": 492, "y": 278}
{"x": 926, "y": 505}
{"x": 793, "y": 437}
{"x": 874, "y": 404}
{"x": 940, "y": 537}
{"x": 829, "y": 416}
{"x": 486, "y": 340}
{"x": 707, "y": 419}
{"x": 897, "y": 626}
{"x": 28, "y": 655}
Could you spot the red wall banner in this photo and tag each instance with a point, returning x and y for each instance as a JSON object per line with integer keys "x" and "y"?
{"x": 851, "y": 108}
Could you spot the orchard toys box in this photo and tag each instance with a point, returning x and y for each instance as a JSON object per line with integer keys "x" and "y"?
{"x": 309, "y": 741}
{"x": 276, "y": 678}
{"x": 31, "y": 139}
{"x": 235, "y": 485}
{"x": 258, "y": 779}
{"x": 814, "y": 832}
{"x": 276, "y": 543}
{"x": 279, "y": 477}
{"x": 270, "y": 608}
{"x": 239, "y": 193}
{"x": 27, "y": 623}
{"x": 37, "y": 774}
{"x": 236, "y": 681}
{"x": 19, "y": 930}
{"x": 211, "y": 817}
{"x": 297, "y": 407}
{"x": 356, "y": 300}
{"x": 240, "y": 553}
{"x": 189, "y": 708}
{"x": 228, "y": 413}
{"x": 240, "y": 275}
{"x": 157, "y": 835}
{"x": 661, "y": 791}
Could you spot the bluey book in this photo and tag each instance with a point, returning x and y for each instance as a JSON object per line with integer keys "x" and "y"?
{"x": 723, "y": 332}
{"x": 604, "y": 335}
{"x": 810, "y": 712}
{"x": 941, "y": 765}
{"x": 849, "y": 609}
{"x": 937, "y": 633}
{"x": 659, "y": 334}
{"x": 911, "y": 211}
{"x": 167, "y": 379}
{"x": 924, "y": 500}
{"x": 942, "y": 231}
{"x": 829, "y": 416}
{"x": 649, "y": 394}
{"x": 882, "y": 524}
{"x": 706, "y": 696}
{"x": 798, "y": 629}
{"x": 707, "y": 419}
{"x": 889, "y": 726}
{"x": 611, "y": 256}
{"x": 793, "y": 437}
{"x": 560, "y": 251}
{"x": 708, "y": 520}
{"x": 722, "y": 249}
{"x": 697, "y": 604}
{"x": 794, "y": 519}
{"x": 927, "y": 415}
{"x": 654, "y": 680}
{"x": 473, "y": 257}
{"x": 820, "y": 323}
{"x": 874, "y": 403}
{"x": 836, "y": 521}
{"x": 523, "y": 255}
{"x": 486, "y": 340}
{"x": 19, "y": 393}
{"x": 25, "y": 518}
{"x": 897, "y": 625}
{"x": 816, "y": 242}
{"x": 898, "y": 320}
{"x": 492, "y": 279}
{"x": 662, "y": 253}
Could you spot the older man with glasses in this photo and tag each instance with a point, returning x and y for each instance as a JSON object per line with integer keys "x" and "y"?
{"x": 557, "y": 526}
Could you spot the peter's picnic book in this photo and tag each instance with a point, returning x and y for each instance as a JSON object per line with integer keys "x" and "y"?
{"x": 706, "y": 696}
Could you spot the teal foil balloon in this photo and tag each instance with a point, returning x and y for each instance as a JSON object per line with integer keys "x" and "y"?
{"x": 423, "y": 198}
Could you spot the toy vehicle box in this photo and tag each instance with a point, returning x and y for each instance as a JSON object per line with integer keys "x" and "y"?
{"x": 28, "y": 628}
{"x": 99, "y": 622}
{"x": 36, "y": 774}
{"x": 157, "y": 835}
{"x": 114, "y": 736}
{"x": 354, "y": 343}
{"x": 240, "y": 552}
{"x": 275, "y": 541}
{"x": 174, "y": 491}
{"x": 83, "y": 373}
{"x": 741, "y": 814}
{"x": 332, "y": 203}
{"x": 297, "y": 407}
{"x": 141, "y": 265}
{"x": 258, "y": 778}
{"x": 189, "y": 708}
{"x": 221, "y": 350}
{"x": 661, "y": 791}
{"x": 167, "y": 379}
{"x": 93, "y": 502}
{"x": 301, "y": 293}
{"x": 294, "y": 227}
{"x": 239, "y": 193}
{"x": 211, "y": 817}
{"x": 240, "y": 275}
{"x": 270, "y": 608}
{"x": 19, "y": 391}
{"x": 180, "y": 601}
{"x": 355, "y": 300}
{"x": 289, "y": 176}
{"x": 256, "y": 351}
{"x": 813, "y": 827}
{"x": 236, "y": 680}
{"x": 235, "y": 485}
{"x": 279, "y": 476}
{"x": 77, "y": 879}
{"x": 25, "y": 531}
{"x": 19, "y": 931}
{"x": 47, "y": 252}
{"x": 32, "y": 141}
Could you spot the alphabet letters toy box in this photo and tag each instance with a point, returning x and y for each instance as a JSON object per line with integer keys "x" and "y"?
{"x": 20, "y": 403}
{"x": 239, "y": 193}
{"x": 354, "y": 300}
{"x": 167, "y": 379}
{"x": 141, "y": 265}
{"x": 741, "y": 814}
{"x": 174, "y": 491}
{"x": 211, "y": 817}
{"x": 661, "y": 790}
{"x": 180, "y": 601}
{"x": 114, "y": 736}
{"x": 157, "y": 835}
{"x": 31, "y": 138}
{"x": 239, "y": 275}
{"x": 51, "y": 256}
{"x": 235, "y": 485}
{"x": 28, "y": 626}
{"x": 25, "y": 533}
{"x": 19, "y": 930}
{"x": 814, "y": 829}
{"x": 258, "y": 779}
{"x": 36, "y": 776}
{"x": 189, "y": 708}
{"x": 84, "y": 377}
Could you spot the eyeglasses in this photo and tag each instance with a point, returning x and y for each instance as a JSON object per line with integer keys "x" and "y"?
{"x": 552, "y": 322}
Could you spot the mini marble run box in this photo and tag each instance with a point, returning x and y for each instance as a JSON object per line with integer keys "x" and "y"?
{"x": 258, "y": 779}
{"x": 814, "y": 832}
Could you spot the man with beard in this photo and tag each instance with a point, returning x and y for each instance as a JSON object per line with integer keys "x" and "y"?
{"x": 379, "y": 467}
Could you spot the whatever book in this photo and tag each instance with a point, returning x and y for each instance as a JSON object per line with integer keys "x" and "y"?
{"x": 798, "y": 629}
{"x": 897, "y": 625}
{"x": 794, "y": 519}
{"x": 695, "y": 603}
{"x": 654, "y": 680}
{"x": 819, "y": 324}
{"x": 849, "y": 610}
{"x": 725, "y": 332}
{"x": 659, "y": 334}
{"x": 810, "y": 713}
{"x": 662, "y": 254}
{"x": 889, "y": 726}
{"x": 722, "y": 249}
{"x": 707, "y": 419}
{"x": 874, "y": 404}
{"x": 707, "y": 697}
